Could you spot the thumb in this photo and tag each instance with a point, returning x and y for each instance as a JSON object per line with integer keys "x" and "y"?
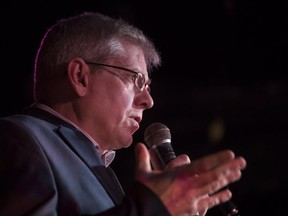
{"x": 142, "y": 160}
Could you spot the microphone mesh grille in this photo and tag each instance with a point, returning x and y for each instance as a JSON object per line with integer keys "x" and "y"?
{"x": 156, "y": 133}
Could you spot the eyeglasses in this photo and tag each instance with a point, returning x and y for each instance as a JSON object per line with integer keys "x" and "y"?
{"x": 137, "y": 78}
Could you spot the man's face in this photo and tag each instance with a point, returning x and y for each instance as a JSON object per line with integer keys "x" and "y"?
{"x": 114, "y": 104}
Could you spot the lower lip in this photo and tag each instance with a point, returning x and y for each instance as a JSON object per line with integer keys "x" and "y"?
{"x": 135, "y": 127}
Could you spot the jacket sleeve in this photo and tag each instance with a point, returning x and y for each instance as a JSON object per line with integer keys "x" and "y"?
{"x": 25, "y": 179}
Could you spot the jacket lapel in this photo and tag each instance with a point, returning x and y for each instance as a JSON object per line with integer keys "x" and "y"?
{"x": 85, "y": 150}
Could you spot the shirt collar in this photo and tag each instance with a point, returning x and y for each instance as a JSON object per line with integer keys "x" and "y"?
{"x": 107, "y": 157}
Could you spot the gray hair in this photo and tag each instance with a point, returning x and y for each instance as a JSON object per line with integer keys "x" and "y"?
{"x": 89, "y": 35}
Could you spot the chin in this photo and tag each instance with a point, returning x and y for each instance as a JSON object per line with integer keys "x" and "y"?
{"x": 127, "y": 142}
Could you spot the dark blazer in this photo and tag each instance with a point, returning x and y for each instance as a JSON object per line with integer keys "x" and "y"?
{"x": 48, "y": 167}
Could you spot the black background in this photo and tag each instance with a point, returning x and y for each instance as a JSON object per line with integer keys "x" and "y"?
{"x": 223, "y": 73}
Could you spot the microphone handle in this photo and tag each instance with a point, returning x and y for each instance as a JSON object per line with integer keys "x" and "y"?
{"x": 163, "y": 154}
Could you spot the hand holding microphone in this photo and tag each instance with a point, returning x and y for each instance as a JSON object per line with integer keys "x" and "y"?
{"x": 214, "y": 172}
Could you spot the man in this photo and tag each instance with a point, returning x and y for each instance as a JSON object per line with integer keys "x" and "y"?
{"x": 91, "y": 86}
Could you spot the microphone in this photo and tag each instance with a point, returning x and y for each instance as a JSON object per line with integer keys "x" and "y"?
{"x": 157, "y": 137}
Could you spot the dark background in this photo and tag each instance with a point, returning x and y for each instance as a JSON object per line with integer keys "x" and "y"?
{"x": 223, "y": 81}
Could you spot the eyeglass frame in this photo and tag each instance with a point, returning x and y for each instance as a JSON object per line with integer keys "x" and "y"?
{"x": 135, "y": 78}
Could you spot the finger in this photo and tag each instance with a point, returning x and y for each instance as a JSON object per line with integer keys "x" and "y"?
{"x": 180, "y": 160}
{"x": 202, "y": 212}
{"x": 214, "y": 200}
{"x": 218, "y": 178}
{"x": 213, "y": 160}
{"x": 142, "y": 160}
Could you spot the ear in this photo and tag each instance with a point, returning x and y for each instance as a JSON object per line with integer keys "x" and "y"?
{"x": 78, "y": 74}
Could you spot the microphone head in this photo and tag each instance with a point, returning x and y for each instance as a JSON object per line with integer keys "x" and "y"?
{"x": 156, "y": 134}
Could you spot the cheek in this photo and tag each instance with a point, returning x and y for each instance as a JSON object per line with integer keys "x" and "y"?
{"x": 112, "y": 98}
{"x": 124, "y": 100}
{"x": 117, "y": 104}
